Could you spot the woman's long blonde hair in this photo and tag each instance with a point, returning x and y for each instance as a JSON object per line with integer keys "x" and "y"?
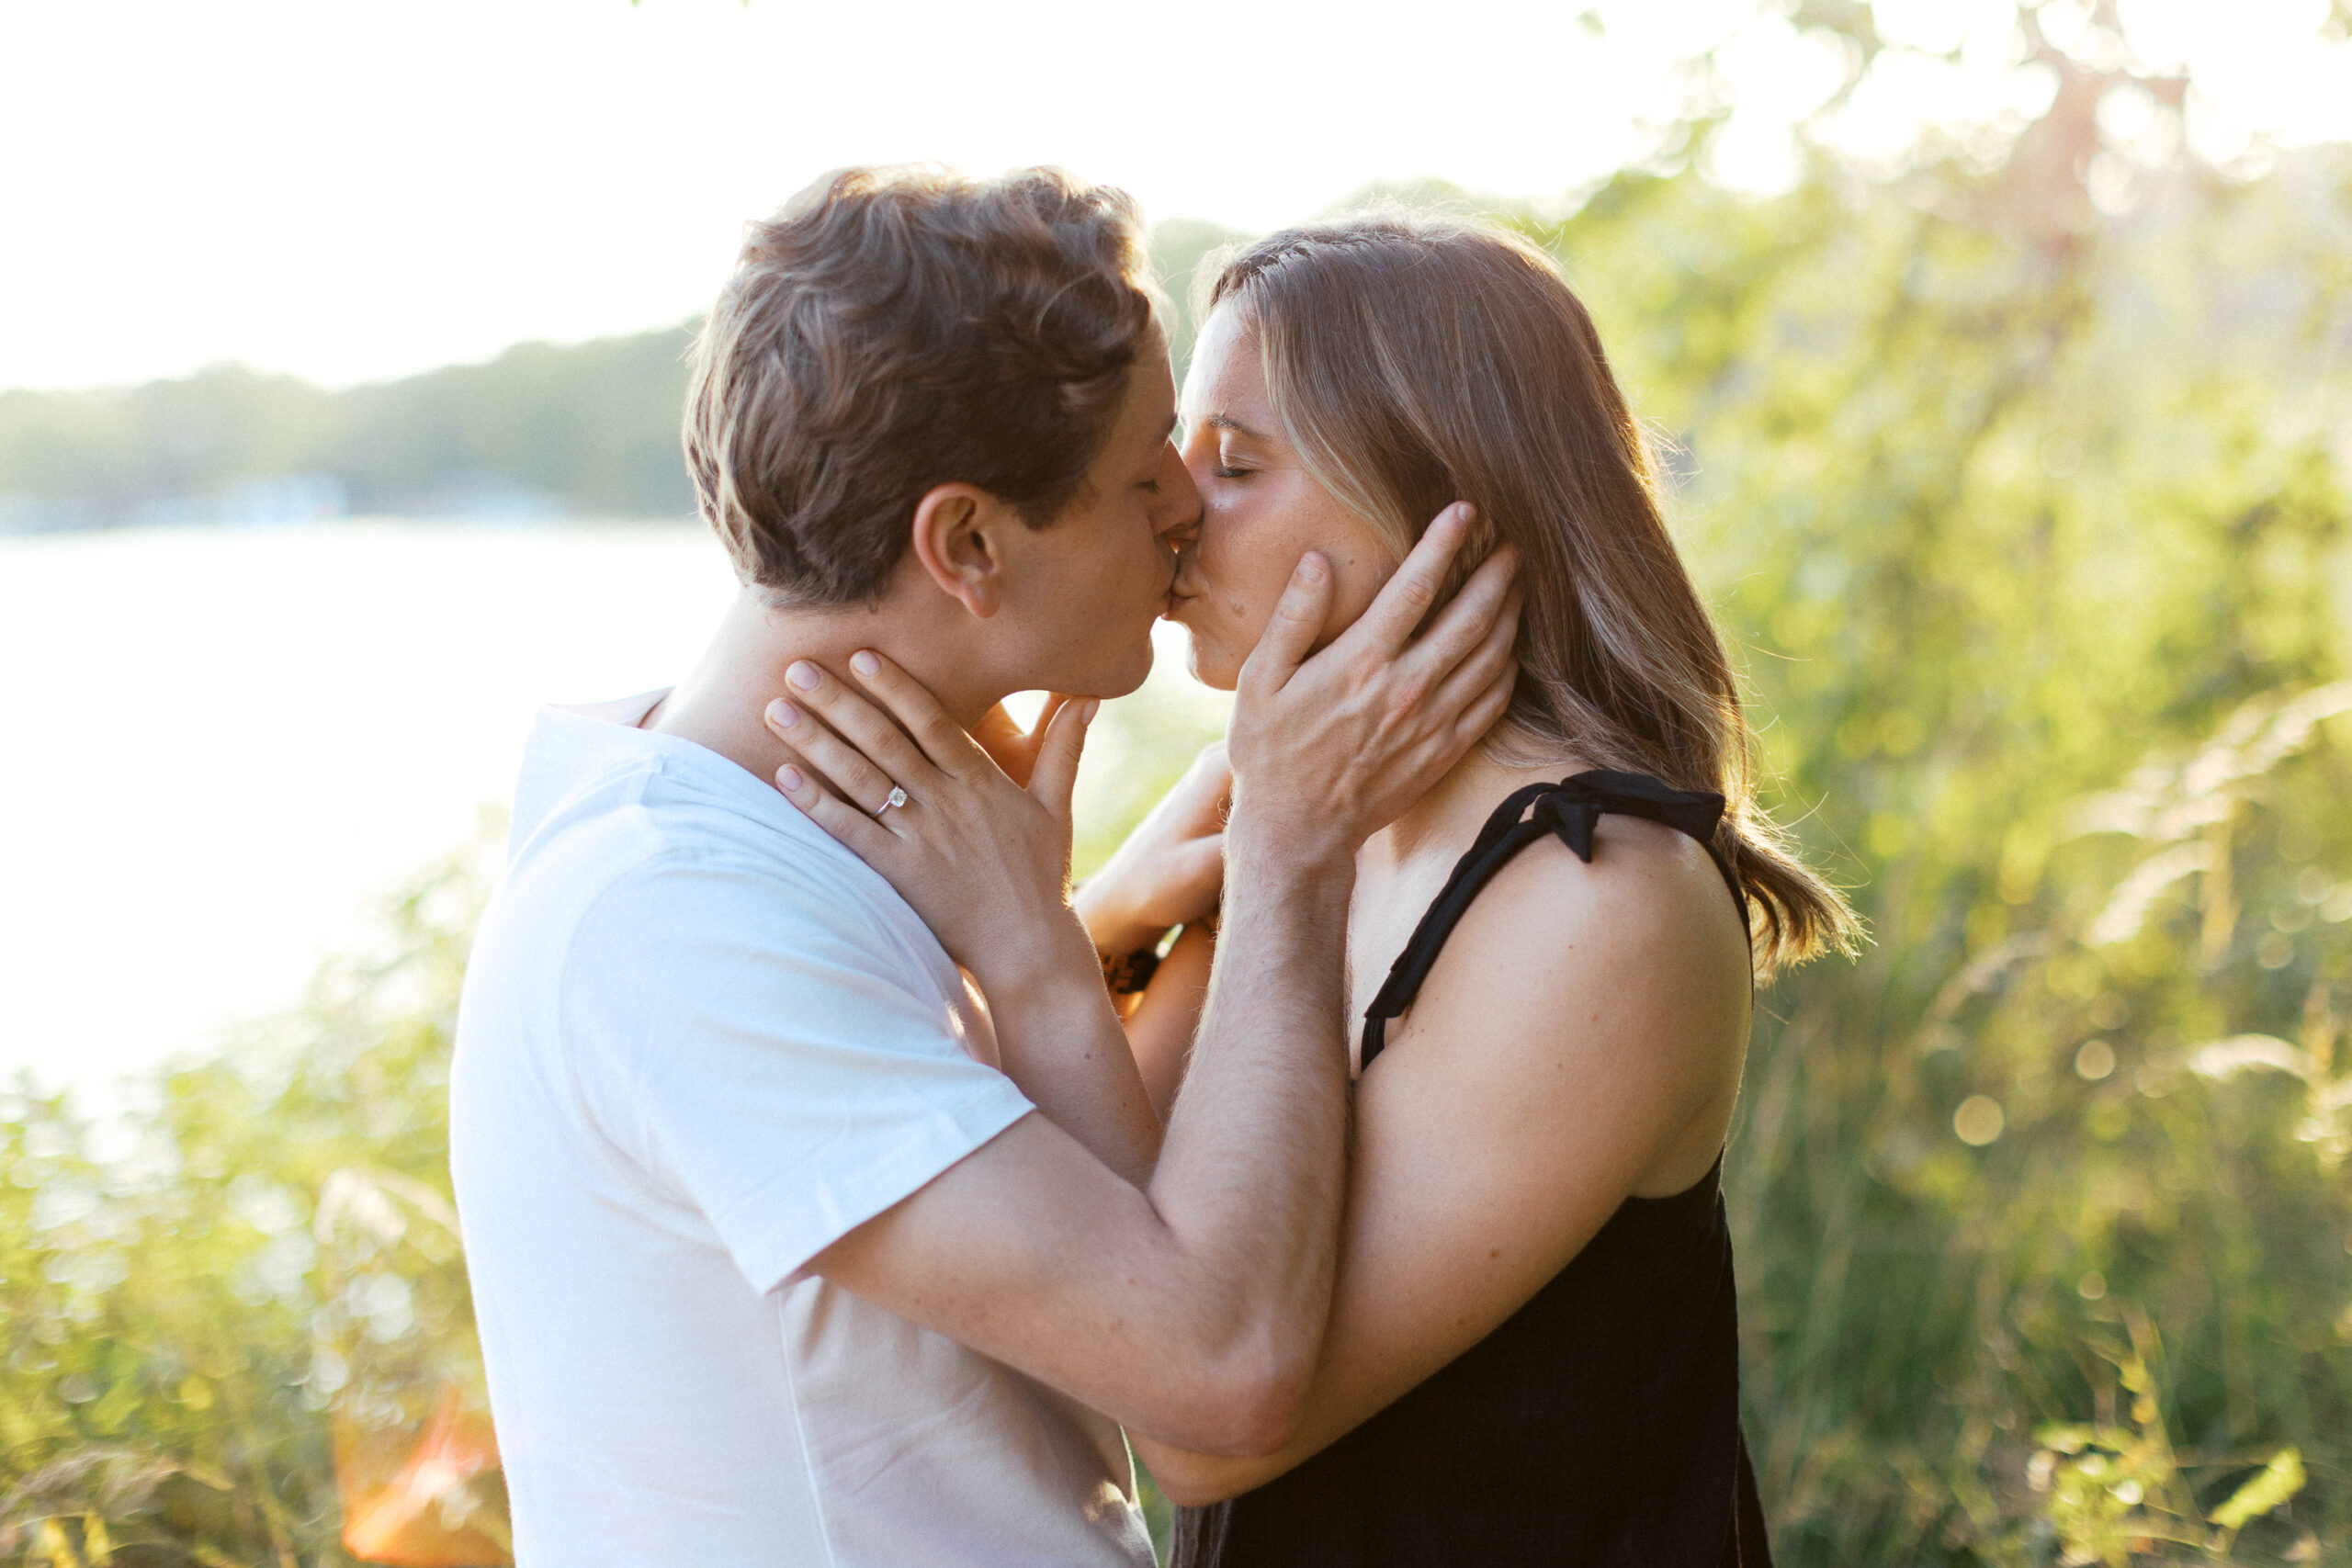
{"x": 1415, "y": 360}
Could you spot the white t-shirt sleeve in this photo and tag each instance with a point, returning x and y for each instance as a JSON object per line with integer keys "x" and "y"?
{"x": 790, "y": 1063}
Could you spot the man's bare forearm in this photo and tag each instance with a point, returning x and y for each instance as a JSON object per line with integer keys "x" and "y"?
{"x": 1251, "y": 1168}
{"x": 1250, "y": 1171}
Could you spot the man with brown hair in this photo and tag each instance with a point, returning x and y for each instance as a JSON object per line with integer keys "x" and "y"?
{"x": 785, "y": 1249}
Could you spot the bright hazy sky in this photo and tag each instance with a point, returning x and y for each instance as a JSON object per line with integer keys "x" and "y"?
{"x": 355, "y": 189}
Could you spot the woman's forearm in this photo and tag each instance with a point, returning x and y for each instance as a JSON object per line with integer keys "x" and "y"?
{"x": 1161, "y": 1027}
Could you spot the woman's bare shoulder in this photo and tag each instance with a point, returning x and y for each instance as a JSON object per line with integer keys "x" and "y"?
{"x": 1649, "y": 894}
{"x": 1627, "y": 975}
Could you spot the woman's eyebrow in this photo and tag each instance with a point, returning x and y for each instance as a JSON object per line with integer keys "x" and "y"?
{"x": 1227, "y": 421}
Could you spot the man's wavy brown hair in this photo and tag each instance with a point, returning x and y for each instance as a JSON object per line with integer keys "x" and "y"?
{"x": 896, "y": 329}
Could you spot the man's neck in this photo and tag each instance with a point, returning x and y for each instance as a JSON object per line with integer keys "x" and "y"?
{"x": 720, "y": 705}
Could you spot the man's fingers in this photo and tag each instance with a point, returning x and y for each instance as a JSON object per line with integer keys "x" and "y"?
{"x": 1297, "y": 620}
{"x": 1404, "y": 599}
{"x": 1466, "y": 622}
{"x": 1490, "y": 660}
{"x": 1053, "y": 778}
{"x": 852, "y": 773}
{"x": 858, "y": 830}
{"x": 1490, "y": 706}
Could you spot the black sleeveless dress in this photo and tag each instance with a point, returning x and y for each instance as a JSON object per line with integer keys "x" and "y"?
{"x": 1599, "y": 1424}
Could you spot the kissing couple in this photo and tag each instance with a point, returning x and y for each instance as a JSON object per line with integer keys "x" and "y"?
{"x": 840, "y": 1189}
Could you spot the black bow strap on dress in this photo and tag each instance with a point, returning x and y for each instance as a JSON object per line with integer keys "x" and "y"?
{"x": 1568, "y": 809}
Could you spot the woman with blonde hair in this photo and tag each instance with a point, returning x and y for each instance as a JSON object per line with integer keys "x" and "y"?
{"x": 1532, "y": 1354}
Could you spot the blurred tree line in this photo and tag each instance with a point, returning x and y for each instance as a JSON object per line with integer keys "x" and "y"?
{"x": 586, "y": 429}
{"x": 2026, "y": 516}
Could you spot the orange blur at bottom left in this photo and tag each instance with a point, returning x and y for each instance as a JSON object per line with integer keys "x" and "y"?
{"x": 432, "y": 1498}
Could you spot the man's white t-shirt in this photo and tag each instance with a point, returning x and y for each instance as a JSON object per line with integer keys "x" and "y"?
{"x": 700, "y": 1041}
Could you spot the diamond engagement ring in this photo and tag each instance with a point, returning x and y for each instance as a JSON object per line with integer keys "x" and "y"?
{"x": 898, "y": 797}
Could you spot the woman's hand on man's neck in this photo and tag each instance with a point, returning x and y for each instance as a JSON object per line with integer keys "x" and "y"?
{"x": 719, "y": 704}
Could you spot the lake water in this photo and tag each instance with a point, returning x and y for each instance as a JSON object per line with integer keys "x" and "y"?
{"x": 222, "y": 747}
{"x": 225, "y": 747}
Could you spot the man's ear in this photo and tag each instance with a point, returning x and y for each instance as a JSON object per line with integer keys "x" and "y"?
{"x": 955, "y": 537}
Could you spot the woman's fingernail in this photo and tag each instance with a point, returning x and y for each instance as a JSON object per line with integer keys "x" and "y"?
{"x": 865, "y": 663}
{"x": 1310, "y": 566}
{"x": 804, "y": 676}
{"x": 1093, "y": 707}
{"x": 789, "y": 777}
{"x": 783, "y": 715}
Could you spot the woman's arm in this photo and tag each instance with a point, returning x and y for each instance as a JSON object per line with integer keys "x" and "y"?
{"x": 1579, "y": 1041}
{"x": 1171, "y": 870}
{"x": 1160, "y": 1029}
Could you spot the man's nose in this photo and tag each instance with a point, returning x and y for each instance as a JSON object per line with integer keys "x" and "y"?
{"x": 1183, "y": 547}
{"x": 1180, "y": 532}
{"x": 1177, "y": 518}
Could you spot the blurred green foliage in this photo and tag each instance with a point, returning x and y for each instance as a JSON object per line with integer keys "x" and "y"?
{"x": 205, "y": 1294}
{"x": 2036, "y": 544}
{"x": 2030, "y": 524}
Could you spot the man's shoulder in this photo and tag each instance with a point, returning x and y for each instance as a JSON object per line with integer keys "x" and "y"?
{"x": 637, "y": 944}
{"x": 632, "y": 875}
{"x": 645, "y": 874}
{"x": 669, "y": 870}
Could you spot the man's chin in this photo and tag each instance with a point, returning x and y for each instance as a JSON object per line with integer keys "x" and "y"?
{"x": 1139, "y": 671}
{"x": 1217, "y": 675}
{"x": 1115, "y": 680}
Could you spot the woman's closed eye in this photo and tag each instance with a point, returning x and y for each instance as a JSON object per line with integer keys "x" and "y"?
{"x": 1228, "y": 471}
